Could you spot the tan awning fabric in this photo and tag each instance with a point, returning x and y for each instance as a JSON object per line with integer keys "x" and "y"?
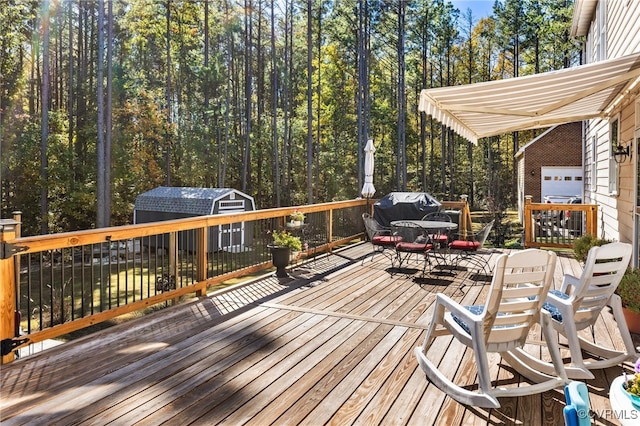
{"x": 495, "y": 107}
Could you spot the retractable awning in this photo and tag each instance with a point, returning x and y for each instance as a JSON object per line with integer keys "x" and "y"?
{"x": 495, "y": 107}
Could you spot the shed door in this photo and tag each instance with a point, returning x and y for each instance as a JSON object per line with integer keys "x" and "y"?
{"x": 231, "y": 236}
{"x": 561, "y": 181}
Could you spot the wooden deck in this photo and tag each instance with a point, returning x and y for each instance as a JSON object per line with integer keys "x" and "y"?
{"x": 333, "y": 346}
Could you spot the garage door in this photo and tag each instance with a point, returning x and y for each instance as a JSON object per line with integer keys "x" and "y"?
{"x": 561, "y": 181}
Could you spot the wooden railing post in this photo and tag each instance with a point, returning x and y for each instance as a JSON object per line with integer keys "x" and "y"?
{"x": 201, "y": 259}
{"x": 528, "y": 225}
{"x": 592, "y": 221}
{"x": 173, "y": 257}
{"x": 7, "y": 287}
{"x": 465, "y": 217}
{"x": 330, "y": 230}
{"x": 17, "y": 216}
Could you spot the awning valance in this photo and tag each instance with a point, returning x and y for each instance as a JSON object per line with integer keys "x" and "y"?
{"x": 495, "y": 107}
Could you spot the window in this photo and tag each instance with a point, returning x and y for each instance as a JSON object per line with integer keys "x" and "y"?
{"x": 600, "y": 38}
{"x": 614, "y": 137}
{"x": 614, "y": 132}
{"x": 594, "y": 164}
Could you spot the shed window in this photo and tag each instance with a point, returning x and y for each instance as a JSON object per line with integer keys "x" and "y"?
{"x": 232, "y": 205}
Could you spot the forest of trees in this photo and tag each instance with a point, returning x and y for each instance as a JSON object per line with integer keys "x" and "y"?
{"x": 101, "y": 100}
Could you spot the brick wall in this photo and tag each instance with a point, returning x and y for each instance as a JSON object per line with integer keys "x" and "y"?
{"x": 560, "y": 147}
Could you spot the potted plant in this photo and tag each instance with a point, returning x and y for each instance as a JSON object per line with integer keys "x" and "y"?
{"x": 629, "y": 292}
{"x": 297, "y": 218}
{"x": 631, "y": 384}
{"x": 284, "y": 243}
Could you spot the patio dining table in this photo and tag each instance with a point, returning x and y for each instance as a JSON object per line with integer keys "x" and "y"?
{"x": 431, "y": 226}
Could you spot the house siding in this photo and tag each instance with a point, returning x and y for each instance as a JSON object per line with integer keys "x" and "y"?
{"x": 623, "y": 27}
{"x": 626, "y": 198}
{"x": 621, "y": 21}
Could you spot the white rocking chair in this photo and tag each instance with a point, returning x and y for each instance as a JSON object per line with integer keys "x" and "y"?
{"x": 578, "y": 304}
{"x": 520, "y": 282}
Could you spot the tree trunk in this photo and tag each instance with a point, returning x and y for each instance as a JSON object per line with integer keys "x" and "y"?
{"x": 402, "y": 153}
{"x": 100, "y": 148}
{"x": 274, "y": 113}
{"x": 70, "y": 115}
{"x": 260, "y": 80}
{"x": 248, "y": 28}
{"x": 168, "y": 94}
{"x": 107, "y": 141}
{"x": 44, "y": 165}
{"x": 309, "y": 105}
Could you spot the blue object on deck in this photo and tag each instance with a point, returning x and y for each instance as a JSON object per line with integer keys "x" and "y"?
{"x": 576, "y": 413}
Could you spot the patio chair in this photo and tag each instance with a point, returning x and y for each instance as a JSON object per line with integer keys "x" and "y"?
{"x": 467, "y": 249}
{"x": 413, "y": 240}
{"x": 381, "y": 238}
{"x": 314, "y": 237}
{"x": 513, "y": 306}
{"x": 441, "y": 237}
{"x": 578, "y": 304}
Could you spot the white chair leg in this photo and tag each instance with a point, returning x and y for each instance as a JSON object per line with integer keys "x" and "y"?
{"x": 461, "y": 395}
{"x": 616, "y": 306}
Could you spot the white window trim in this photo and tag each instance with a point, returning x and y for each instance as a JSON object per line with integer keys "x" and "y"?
{"x": 594, "y": 163}
{"x": 614, "y": 169}
{"x": 601, "y": 53}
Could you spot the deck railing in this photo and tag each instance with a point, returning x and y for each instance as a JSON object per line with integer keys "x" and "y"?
{"x": 464, "y": 214}
{"x": 556, "y": 224}
{"x": 56, "y": 284}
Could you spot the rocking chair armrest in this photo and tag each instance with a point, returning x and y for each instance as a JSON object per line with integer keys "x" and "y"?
{"x": 456, "y": 308}
{"x": 559, "y": 301}
{"x": 569, "y": 284}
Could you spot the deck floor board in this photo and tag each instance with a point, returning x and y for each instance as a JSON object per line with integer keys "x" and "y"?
{"x": 331, "y": 345}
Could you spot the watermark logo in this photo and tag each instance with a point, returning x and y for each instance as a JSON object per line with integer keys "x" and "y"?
{"x": 605, "y": 413}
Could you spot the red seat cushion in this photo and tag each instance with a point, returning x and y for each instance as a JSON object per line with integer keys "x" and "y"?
{"x": 464, "y": 245}
{"x": 413, "y": 247}
{"x": 440, "y": 238}
{"x": 386, "y": 240}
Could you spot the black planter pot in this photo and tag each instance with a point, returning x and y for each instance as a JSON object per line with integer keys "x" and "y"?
{"x": 280, "y": 258}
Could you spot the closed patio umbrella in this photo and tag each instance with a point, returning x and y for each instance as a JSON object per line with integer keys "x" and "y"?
{"x": 368, "y": 189}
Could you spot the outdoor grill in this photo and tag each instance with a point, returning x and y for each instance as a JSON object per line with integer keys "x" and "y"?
{"x": 404, "y": 205}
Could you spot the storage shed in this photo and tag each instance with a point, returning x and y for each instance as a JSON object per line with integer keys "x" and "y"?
{"x": 166, "y": 203}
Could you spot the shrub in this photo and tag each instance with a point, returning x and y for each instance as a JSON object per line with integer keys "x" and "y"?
{"x": 629, "y": 290}
{"x": 285, "y": 239}
{"x": 582, "y": 245}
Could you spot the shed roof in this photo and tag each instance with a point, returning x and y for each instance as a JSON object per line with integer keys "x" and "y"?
{"x": 197, "y": 201}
